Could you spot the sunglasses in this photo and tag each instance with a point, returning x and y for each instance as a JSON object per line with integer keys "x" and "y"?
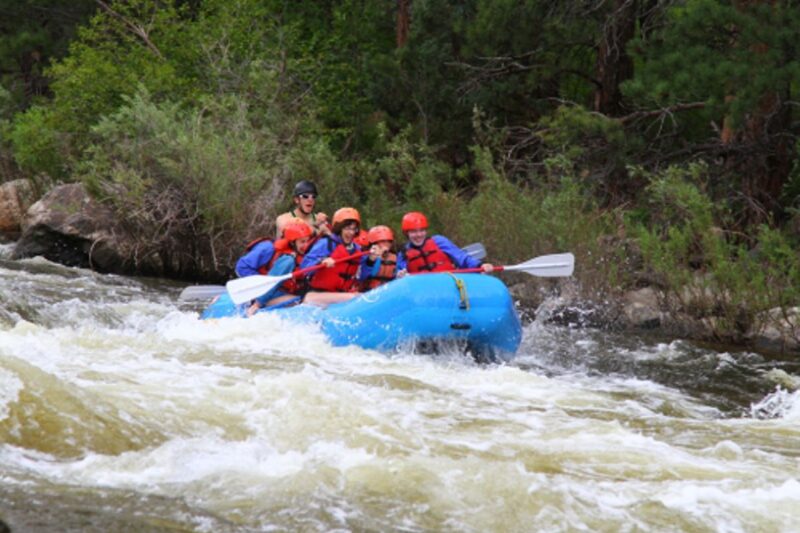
{"x": 308, "y": 196}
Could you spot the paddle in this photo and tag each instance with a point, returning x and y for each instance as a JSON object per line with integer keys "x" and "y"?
{"x": 545, "y": 266}
{"x": 245, "y": 289}
{"x": 206, "y": 292}
{"x": 475, "y": 250}
{"x": 201, "y": 292}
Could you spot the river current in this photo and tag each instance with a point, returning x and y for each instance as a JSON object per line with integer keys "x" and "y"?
{"x": 121, "y": 411}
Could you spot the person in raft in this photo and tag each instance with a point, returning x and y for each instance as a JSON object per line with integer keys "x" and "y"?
{"x": 305, "y": 200}
{"x": 431, "y": 254}
{"x": 277, "y": 258}
{"x": 336, "y": 282}
{"x": 381, "y": 264}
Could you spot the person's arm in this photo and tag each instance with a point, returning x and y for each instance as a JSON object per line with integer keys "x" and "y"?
{"x": 323, "y": 227}
{"x": 460, "y": 258}
{"x": 317, "y": 253}
{"x": 368, "y": 268}
{"x": 283, "y": 265}
{"x": 280, "y": 222}
{"x": 259, "y": 255}
{"x": 401, "y": 267}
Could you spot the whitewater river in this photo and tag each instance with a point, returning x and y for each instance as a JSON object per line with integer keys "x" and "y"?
{"x": 120, "y": 411}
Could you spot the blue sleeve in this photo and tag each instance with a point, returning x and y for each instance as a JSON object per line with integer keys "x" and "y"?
{"x": 283, "y": 265}
{"x": 402, "y": 264}
{"x": 258, "y": 256}
{"x": 460, "y": 258}
{"x": 367, "y": 271}
{"x": 317, "y": 253}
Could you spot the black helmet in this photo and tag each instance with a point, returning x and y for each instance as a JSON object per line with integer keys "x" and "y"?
{"x": 304, "y": 187}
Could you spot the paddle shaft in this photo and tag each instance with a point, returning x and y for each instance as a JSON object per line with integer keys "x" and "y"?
{"x": 555, "y": 265}
{"x": 500, "y": 268}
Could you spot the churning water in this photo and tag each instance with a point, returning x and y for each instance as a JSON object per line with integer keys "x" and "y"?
{"x": 120, "y": 411}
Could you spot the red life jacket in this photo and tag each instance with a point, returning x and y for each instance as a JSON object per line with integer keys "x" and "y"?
{"x": 341, "y": 277}
{"x": 291, "y": 285}
{"x": 427, "y": 258}
{"x": 386, "y": 272}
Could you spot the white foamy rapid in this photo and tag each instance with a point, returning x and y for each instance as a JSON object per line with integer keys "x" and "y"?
{"x": 113, "y": 399}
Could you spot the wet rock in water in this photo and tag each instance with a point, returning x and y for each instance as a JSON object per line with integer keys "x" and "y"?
{"x": 684, "y": 325}
{"x": 527, "y": 295}
{"x": 641, "y": 308}
{"x": 777, "y": 330}
{"x": 581, "y": 316}
{"x": 15, "y": 199}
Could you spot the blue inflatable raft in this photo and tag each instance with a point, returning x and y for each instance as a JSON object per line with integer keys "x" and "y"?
{"x": 472, "y": 311}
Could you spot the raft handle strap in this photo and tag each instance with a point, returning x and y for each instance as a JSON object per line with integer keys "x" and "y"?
{"x": 462, "y": 292}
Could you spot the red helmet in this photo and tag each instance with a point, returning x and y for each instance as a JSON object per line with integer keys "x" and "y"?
{"x": 346, "y": 213}
{"x": 361, "y": 239}
{"x": 380, "y": 233}
{"x": 296, "y": 229}
{"x": 414, "y": 220}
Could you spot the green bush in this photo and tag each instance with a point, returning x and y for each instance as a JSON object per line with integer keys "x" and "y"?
{"x": 590, "y": 147}
{"x": 779, "y": 256}
{"x": 6, "y": 155}
{"x": 705, "y": 270}
{"x": 403, "y": 175}
{"x": 205, "y": 174}
{"x": 517, "y": 223}
{"x": 39, "y": 146}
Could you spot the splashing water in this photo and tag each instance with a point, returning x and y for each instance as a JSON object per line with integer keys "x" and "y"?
{"x": 121, "y": 411}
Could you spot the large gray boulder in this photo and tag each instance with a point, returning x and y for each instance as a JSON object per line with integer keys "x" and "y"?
{"x": 777, "y": 330}
{"x": 642, "y": 309}
{"x": 15, "y": 198}
{"x": 68, "y": 226}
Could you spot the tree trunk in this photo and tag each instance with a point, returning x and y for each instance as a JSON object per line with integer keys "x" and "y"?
{"x": 761, "y": 156}
{"x": 403, "y": 21}
{"x": 613, "y": 64}
{"x": 612, "y": 67}
{"x": 758, "y": 152}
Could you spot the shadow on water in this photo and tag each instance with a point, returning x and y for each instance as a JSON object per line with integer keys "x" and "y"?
{"x": 728, "y": 378}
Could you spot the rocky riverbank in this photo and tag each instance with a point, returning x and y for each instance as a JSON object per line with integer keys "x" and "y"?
{"x": 68, "y": 226}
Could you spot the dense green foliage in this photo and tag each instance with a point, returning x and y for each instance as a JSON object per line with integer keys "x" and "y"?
{"x": 705, "y": 270}
{"x": 639, "y": 134}
{"x": 31, "y": 34}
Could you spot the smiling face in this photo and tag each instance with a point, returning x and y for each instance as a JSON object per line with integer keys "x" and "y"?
{"x": 417, "y": 236}
{"x": 300, "y": 245}
{"x": 349, "y": 232}
{"x": 306, "y": 202}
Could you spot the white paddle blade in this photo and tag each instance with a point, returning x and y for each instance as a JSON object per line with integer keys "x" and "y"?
{"x": 201, "y": 292}
{"x": 245, "y": 289}
{"x": 547, "y": 266}
{"x": 476, "y": 251}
